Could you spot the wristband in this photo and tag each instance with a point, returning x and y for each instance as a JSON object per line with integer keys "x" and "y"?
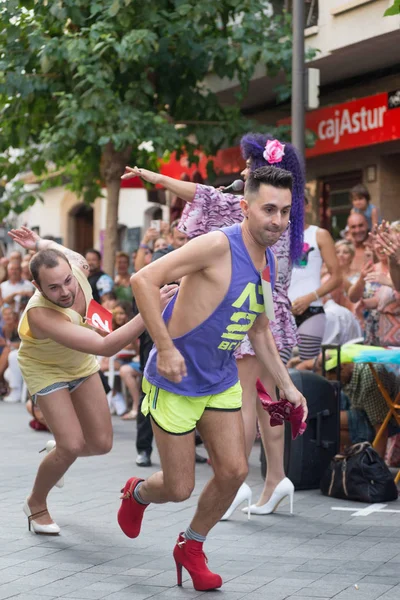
{"x": 316, "y": 295}
{"x": 145, "y": 246}
{"x": 37, "y": 245}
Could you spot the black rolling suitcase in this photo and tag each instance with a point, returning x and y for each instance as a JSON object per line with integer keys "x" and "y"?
{"x": 307, "y": 457}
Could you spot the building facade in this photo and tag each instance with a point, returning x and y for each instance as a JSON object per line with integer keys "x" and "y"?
{"x": 357, "y": 127}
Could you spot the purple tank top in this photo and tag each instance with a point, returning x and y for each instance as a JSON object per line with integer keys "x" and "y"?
{"x": 208, "y": 348}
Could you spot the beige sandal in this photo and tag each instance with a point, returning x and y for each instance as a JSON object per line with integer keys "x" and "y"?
{"x": 130, "y": 416}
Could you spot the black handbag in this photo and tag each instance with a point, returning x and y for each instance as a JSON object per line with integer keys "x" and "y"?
{"x": 359, "y": 473}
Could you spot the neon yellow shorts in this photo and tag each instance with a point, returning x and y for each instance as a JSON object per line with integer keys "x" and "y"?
{"x": 179, "y": 414}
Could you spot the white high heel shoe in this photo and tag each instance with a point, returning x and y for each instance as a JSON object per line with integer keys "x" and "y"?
{"x": 283, "y": 489}
{"x": 51, "y": 529}
{"x": 243, "y": 494}
{"x": 51, "y": 444}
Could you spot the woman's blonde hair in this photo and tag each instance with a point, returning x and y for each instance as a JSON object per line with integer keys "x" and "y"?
{"x": 348, "y": 245}
{"x": 395, "y": 226}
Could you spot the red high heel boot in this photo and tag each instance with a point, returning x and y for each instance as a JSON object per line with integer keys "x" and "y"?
{"x": 189, "y": 554}
{"x": 130, "y": 514}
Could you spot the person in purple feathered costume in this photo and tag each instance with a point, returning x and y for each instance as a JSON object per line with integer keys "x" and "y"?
{"x": 253, "y": 147}
{"x": 207, "y": 209}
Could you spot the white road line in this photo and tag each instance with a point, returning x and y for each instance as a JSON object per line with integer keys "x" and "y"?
{"x": 368, "y": 510}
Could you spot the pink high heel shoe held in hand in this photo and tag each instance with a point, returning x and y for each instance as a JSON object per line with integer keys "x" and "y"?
{"x": 282, "y": 410}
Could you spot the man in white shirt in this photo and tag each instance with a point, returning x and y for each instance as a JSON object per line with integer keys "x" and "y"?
{"x": 15, "y": 288}
{"x": 341, "y": 325}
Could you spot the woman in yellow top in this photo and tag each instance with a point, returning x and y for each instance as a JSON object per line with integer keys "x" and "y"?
{"x": 57, "y": 363}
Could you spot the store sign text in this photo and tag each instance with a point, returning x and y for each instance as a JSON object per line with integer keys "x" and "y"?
{"x": 351, "y": 123}
{"x": 354, "y": 124}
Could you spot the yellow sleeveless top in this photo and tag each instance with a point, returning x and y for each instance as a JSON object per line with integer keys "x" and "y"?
{"x": 44, "y": 362}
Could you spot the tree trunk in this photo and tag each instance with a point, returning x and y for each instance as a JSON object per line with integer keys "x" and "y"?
{"x": 112, "y": 167}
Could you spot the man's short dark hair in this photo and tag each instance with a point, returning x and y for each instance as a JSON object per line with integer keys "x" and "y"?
{"x": 93, "y": 251}
{"x": 360, "y": 191}
{"x": 278, "y": 178}
{"x": 49, "y": 259}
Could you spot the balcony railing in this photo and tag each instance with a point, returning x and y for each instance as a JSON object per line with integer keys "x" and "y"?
{"x": 311, "y": 10}
{"x": 311, "y": 16}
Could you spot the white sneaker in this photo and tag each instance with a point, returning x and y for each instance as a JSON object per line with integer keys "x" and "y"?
{"x": 14, "y": 396}
{"x": 119, "y": 404}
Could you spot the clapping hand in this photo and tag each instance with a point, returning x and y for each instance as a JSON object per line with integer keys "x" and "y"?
{"x": 388, "y": 240}
{"x": 382, "y": 278}
{"x": 366, "y": 270}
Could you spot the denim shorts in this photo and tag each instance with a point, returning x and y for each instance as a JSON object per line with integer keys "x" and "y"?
{"x": 61, "y": 385}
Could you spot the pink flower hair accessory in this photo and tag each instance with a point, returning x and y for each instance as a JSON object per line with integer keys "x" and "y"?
{"x": 274, "y": 151}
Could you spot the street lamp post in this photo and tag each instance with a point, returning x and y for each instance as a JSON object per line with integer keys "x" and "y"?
{"x": 298, "y": 78}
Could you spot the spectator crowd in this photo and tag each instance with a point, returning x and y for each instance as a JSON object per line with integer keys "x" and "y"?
{"x": 341, "y": 291}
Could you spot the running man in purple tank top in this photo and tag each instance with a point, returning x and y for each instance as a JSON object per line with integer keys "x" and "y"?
{"x": 208, "y": 209}
{"x": 191, "y": 379}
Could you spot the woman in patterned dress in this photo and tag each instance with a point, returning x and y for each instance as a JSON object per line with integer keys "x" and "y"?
{"x": 208, "y": 208}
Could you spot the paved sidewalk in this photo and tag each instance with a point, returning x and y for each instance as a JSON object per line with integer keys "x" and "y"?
{"x": 317, "y": 553}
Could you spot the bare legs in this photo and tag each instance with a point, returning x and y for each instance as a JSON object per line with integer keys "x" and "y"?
{"x": 272, "y": 437}
{"x": 131, "y": 379}
{"x": 222, "y": 432}
{"x": 225, "y": 441}
{"x": 81, "y": 425}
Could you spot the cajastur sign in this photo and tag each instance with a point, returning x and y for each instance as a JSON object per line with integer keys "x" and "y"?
{"x": 361, "y": 122}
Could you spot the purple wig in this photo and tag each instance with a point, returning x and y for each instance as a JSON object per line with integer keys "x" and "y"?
{"x": 253, "y": 146}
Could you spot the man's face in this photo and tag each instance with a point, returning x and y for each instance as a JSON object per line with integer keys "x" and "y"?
{"x": 358, "y": 227}
{"x": 93, "y": 261}
{"x": 8, "y": 317}
{"x": 160, "y": 244}
{"x": 267, "y": 214}
{"x": 15, "y": 255}
{"x": 58, "y": 284}
{"x": 14, "y": 272}
{"x": 178, "y": 239}
{"x": 121, "y": 264}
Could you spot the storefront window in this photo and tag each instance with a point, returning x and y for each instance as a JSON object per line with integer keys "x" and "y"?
{"x": 334, "y": 200}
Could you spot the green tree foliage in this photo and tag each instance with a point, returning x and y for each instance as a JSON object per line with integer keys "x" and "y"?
{"x": 393, "y": 10}
{"x": 83, "y": 83}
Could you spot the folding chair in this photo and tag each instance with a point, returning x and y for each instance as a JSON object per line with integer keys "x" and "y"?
{"x": 394, "y": 410}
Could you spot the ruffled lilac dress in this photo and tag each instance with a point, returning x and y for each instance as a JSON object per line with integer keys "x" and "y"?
{"x": 210, "y": 210}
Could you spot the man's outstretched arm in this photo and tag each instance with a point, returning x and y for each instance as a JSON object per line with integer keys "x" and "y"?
{"x": 184, "y": 189}
{"x": 30, "y": 240}
{"x": 51, "y": 324}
